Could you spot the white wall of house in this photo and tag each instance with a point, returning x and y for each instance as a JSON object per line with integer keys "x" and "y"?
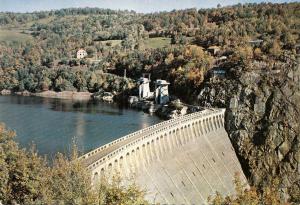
{"x": 81, "y": 54}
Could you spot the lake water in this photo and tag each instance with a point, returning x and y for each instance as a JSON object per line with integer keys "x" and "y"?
{"x": 52, "y": 125}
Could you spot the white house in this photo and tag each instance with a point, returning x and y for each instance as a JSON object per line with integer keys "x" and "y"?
{"x": 81, "y": 53}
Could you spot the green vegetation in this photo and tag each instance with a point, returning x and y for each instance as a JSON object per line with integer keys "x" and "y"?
{"x": 37, "y": 79}
{"x": 158, "y": 42}
{"x": 14, "y": 35}
{"x": 269, "y": 195}
{"x": 114, "y": 192}
{"x": 28, "y": 24}
{"x": 111, "y": 43}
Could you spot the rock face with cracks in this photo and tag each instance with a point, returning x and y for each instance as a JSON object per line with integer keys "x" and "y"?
{"x": 263, "y": 122}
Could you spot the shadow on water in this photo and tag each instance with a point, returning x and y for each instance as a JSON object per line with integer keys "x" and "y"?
{"x": 68, "y": 105}
{"x": 91, "y": 106}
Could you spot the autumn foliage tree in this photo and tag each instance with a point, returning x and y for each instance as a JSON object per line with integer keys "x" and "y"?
{"x": 269, "y": 195}
{"x": 21, "y": 172}
{"x": 26, "y": 179}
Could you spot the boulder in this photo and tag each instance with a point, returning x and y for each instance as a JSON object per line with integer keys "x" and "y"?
{"x": 103, "y": 96}
{"x": 183, "y": 110}
{"x": 26, "y": 93}
{"x": 108, "y": 97}
{"x": 5, "y": 92}
{"x": 173, "y": 114}
{"x": 133, "y": 99}
{"x": 23, "y": 93}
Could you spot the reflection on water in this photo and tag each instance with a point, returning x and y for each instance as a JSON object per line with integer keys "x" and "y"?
{"x": 87, "y": 107}
{"x": 53, "y": 124}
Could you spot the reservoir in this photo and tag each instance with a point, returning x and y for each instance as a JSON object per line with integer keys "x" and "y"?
{"x": 53, "y": 125}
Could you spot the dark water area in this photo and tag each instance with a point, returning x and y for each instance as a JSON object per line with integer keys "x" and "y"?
{"x": 53, "y": 125}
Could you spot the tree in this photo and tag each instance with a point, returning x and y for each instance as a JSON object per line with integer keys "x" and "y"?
{"x": 21, "y": 172}
{"x": 288, "y": 40}
{"x": 92, "y": 82}
{"x": 174, "y": 39}
{"x": 48, "y": 61}
{"x": 257, "y": 53}
{"x": 275, "y": 50}
{"x": 269, "y": 195}
{"x": 115, "y": 193}
{"x": 244, "y": 52}
{"x": 90, "y": 51}
{"x": 169, "y": 59}
{"x": 68, "y": 182}
{"x": 80, "y": 81}
{"x": 148, "y": 25}
{"x": 62, "y": 84}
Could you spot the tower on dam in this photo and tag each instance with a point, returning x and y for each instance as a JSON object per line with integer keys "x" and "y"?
{"x": 180, "y": 161}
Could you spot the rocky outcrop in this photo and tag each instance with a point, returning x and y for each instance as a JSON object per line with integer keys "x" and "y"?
{"x": 263, "y": 122}
{"x": 173, "y": 110}
{"x": 23, "y": 93}
{"x": 104, "y": 96}
{"x": 5, "y": 92}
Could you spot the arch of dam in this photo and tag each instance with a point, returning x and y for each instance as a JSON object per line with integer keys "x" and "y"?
{"x": 179, "y": 161}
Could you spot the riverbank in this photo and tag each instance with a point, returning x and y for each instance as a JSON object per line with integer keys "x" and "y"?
{"x": 52, "y": 94}
{"x": 65, "y": 95}
{"x": 171, "y": 110}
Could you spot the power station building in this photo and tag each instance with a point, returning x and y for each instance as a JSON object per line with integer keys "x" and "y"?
{"x": 144, "y": 87}
{"x": 161, "y": 93}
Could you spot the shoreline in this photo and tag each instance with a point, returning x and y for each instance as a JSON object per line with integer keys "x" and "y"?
{"x": 72, "y": 95}
{"x": 164, "y": 112}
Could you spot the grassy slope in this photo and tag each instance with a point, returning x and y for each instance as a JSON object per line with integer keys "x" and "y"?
{"x": 10, "y": 35}
{"x": 20, "y": 33}
{"x": 158, "y": 42}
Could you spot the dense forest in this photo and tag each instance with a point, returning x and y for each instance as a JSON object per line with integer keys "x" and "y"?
{"x": 38, "y": 53}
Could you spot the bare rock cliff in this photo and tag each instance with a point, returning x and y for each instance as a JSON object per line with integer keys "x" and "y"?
{"x": 263, "y": 122}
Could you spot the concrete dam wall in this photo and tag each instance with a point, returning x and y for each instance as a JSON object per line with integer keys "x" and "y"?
{"x": 180, "y": 161}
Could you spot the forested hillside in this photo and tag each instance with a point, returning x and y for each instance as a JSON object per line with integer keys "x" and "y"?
{"x": 250, "y": 50}
{"x": 38, "y": 50}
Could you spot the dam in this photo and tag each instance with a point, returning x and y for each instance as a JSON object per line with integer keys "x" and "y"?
{"x": 179, "y": 161}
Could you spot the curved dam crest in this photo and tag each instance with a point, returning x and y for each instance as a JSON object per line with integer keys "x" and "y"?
{"x": 179, "y": 161}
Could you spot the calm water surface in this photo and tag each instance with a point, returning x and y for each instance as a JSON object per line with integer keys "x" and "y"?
{"x": 53, "y": 124}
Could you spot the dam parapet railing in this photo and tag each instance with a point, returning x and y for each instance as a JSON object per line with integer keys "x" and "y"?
{"x": 103, "y": 154}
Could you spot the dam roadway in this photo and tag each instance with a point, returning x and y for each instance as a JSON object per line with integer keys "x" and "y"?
{"x": 110, "y": 149}
{"x": 179, "y": 161}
